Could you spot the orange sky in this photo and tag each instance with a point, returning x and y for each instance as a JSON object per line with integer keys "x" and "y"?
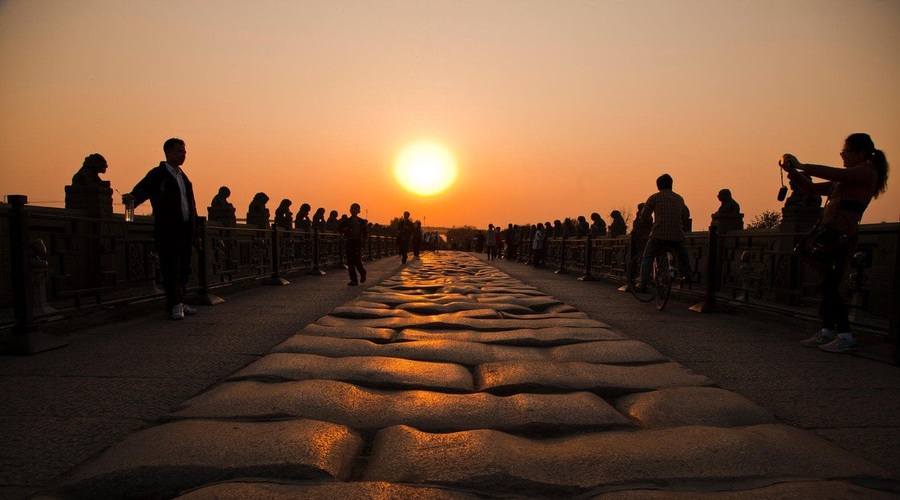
{"x": 552, "y": 109}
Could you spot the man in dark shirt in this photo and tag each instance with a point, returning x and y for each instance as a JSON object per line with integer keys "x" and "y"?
{"x": 670, "y": 216}
{"x": 404, "y": 235}
{"x": 355, "y": 231}
{"x": 175, "y": 217}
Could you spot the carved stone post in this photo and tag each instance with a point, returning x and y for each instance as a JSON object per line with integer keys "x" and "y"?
{"x": 712, "y": 274}
{"x": 316, "y": 269}
{"x": 203, "y": 296}
{"x": 588, "y": 256}
{"x": 25, "y": 337}
{"x": 276, "y": 278}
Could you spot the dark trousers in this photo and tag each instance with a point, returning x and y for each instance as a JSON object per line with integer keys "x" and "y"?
{"x": 354, "y": 259}
{"x": 654, "y": 247}
{"x": 175, "y": 264}
{"x": 833, "y": 308}
{"x": 403, "y": 249}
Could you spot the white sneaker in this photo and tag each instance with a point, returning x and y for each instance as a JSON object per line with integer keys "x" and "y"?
{"x": 816, "y": 340}
{"x": 178, "y": 311}
{"x": 840, "y": 344}
{"x": 188, "y": 310}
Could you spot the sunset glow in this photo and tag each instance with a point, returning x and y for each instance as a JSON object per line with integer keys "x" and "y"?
{"x": 425, "y": 168}
{"x": 548, "y": 111}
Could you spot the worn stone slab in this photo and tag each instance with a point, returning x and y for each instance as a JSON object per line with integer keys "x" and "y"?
{"x": 506, "y": 377}
{"x": 538, "y": 303}
{"x": 324, "y": 491}
{"x": 533, "y": 337}
{"x": 369, "y": 409}
{"x": 795, "y": 490}
{"x": 680, "y": 406}
{"x": 430, "y": 308}
{"x": 348, "y": 332}
{"x": 163, "y": 460}
{"x": 354, "y": 312}
{"x": 534, "y": 315}
{"x": 393, "y": 299}
{"x": 672, "y": 457}
{"x": 371, "y": 371}
{"x": 367, "y": 304}
{"x": 475, "y": 353}
{"x": 462, "y": 319}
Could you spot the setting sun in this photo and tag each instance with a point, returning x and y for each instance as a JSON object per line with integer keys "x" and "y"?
{"x": 425, "y": 168}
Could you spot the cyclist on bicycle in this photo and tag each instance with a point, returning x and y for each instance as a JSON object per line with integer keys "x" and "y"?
{"x": 670, "y": 217}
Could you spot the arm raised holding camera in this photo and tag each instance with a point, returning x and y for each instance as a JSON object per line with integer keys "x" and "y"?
{"x": 793, "y": 167}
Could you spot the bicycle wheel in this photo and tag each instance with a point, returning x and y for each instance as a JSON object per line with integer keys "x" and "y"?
{"x": 633, "y": 275}
{"x": 664, "y": 275}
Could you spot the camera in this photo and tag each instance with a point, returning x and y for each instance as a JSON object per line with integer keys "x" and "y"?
{"x": 782, "y": 193}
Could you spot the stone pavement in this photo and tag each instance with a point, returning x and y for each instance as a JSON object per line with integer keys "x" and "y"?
{"x": 453, "y": 379}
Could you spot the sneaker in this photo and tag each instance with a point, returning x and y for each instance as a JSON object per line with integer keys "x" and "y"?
{"x": 188, "y": 310}
{"x": 840, "y": 344}
{"x": 352, "y": 283}
{"x": 817, "y": 340}
{"x": 178, "y": 311}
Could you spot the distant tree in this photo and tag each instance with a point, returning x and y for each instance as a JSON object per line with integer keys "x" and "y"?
{"x": 769, "y": 219}
{"x": 462, "y": 236}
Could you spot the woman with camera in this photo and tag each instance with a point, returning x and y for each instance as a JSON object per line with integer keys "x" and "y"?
{"x": 849, "y": 191}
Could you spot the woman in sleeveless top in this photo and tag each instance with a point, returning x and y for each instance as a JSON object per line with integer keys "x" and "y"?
{"x": 849, "y": 191}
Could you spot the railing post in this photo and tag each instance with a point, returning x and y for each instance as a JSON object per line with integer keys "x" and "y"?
{"x": 587, "y": 261}
{"x": 316, "y": 269}
{"x": 25, "y": 337}
{"x": 712, "y": 274}
{"x": 204, "y": 298}
{"x": 562, "y": 257}
{"x": 276, "y": 278}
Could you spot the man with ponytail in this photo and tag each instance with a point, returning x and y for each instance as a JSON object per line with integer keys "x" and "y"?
{"x": 849, "y": 191}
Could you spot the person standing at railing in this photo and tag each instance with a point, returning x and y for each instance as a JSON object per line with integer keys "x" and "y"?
{"x": 670, "y": 216}
{"x": 490, "y": 242}
{"x": 171, "y": 195}
{"x": 355, "y": 230}
{"x": 849, "y": 191}
{"x": 405, "y": 230}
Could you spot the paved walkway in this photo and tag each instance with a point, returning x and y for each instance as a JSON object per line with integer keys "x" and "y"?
{"x": 450, "y": 379}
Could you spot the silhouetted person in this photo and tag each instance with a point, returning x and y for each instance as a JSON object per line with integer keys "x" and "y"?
{"x": 354, "y": 230}
{"x": 670, "y": 216}
{"x": 849, "y": 190}
{"x": 175, "y": 216}
{"x": 404, "y": 235}
{"x": 416, "y": 239}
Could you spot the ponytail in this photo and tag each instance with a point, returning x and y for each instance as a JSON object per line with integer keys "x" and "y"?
{"x": 880, "y": 163}
{"x": 863, "y": 142}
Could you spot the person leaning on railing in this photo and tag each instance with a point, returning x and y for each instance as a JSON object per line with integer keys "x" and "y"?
{"x": 849, "y": 191}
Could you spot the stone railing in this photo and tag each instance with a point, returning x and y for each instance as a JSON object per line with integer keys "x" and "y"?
{"x": 755, "y": 269}
{"x": 57, "y": 263}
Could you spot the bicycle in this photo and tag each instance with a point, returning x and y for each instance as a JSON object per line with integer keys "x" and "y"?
{"x": 662, "y": 275}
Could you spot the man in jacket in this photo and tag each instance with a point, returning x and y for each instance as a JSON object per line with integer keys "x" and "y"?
{"x": 171, "y": 195}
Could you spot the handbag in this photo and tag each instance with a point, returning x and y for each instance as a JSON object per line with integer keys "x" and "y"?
{"x": 822, "y": 244}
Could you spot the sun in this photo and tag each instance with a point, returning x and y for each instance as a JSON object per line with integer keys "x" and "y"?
{"x": 425, "y": 168}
